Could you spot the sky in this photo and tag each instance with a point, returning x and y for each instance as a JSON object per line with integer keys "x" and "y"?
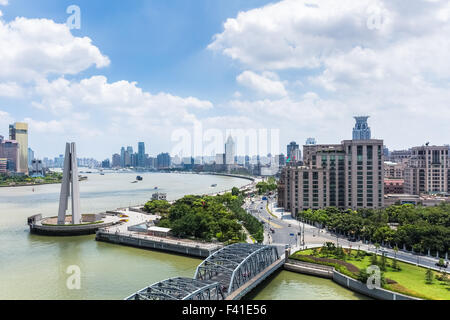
{"x": 182, "y": 73}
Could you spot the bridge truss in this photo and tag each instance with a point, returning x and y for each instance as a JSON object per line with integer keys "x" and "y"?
{"x": 235, "y": 265}
{"x": 181, "y": 289}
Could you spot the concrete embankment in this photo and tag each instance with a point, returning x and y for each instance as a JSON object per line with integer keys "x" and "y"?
{"x": 343, "y": 280}
{"x": 154, "y": 243}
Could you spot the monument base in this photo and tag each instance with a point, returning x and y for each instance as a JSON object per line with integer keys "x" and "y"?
{"x": 90, "y": 225}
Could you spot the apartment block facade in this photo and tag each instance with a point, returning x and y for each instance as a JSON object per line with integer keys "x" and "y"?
{"x": 428, "y": 170}
{"x": 346, "y": 175}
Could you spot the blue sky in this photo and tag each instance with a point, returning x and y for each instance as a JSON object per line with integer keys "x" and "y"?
{"x": 144, "y": 70}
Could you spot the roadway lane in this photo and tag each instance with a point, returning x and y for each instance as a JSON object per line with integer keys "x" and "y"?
{"x": 285, "y": 226}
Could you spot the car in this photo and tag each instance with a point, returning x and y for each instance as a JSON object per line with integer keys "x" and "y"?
{"x": 272, "y": 230}
{"x": 290, "y": 225}
{"x": 351, "y": 239}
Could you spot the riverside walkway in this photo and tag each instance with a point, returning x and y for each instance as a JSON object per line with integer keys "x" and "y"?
{"x": 228, "y": 274}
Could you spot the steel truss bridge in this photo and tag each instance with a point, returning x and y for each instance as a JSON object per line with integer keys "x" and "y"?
{"x": 217, "y": 277}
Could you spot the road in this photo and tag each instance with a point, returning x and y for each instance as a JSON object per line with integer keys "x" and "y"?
{"x": 288, "y": 231}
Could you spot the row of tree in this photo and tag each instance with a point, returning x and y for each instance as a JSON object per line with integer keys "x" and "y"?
{"x": 207, "y": 217}
{"x": 265, "y": 187}
{"x": 418, "y": 228}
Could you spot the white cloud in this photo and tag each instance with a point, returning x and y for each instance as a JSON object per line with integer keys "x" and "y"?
{"x": 35, "y": 48}
{"x": 268, "y": 83}
{"x": 5, "y": 119}
{"x": 3, "y": 3}
{"x": 11, "y": 90}
{"x": 385, "y": 58}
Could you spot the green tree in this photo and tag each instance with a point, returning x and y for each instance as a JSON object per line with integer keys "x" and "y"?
{"x": 429, "y": 277}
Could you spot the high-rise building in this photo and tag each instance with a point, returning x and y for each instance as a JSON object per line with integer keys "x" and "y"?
{"x": 19, "y": 132}
{"x": 400, "y": 156}
{"x": 346, "y": 175}
{"x": 122, "y": 157}
{"x": 163, "y": 161}
{"x": 294, "y": 154}
{"x": 30, "y": 157}
{"x": 116, "y": 161}
{"x": 428, "y": 170}
{"x": 230, "y": 151}
{"x": 141, "y": 155}
{"x": 361, "y": 131}
{"x": 106, "y": 164}
{"x": 311, "y": 141}
{"x": 10, "y": 151}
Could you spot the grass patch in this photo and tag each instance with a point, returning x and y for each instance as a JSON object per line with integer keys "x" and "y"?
{"x": 410, "y": 280}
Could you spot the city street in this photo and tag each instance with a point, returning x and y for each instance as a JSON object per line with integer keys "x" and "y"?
{"x": 281, "y": 230}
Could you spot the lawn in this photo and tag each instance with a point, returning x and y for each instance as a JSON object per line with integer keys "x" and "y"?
{"x": 410, "y": 280}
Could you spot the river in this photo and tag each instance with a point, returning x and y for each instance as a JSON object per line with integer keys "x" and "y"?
{"x": 34, "y": 267}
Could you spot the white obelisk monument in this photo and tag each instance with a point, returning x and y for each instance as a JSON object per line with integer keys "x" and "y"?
{"x": 70, "y": 187}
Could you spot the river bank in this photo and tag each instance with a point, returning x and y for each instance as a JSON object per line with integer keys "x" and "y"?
{"x": 35, "y": 267}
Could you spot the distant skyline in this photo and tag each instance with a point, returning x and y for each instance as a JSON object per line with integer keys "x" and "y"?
{"x": 138, "y": 71}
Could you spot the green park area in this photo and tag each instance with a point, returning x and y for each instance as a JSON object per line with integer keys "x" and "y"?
{"x": 17, "y": 181}
{"x": 396, "y": 276}
{"x": 210, "y": 218}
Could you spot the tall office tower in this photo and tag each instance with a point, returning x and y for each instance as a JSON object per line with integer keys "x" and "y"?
{"x": 230, "y": 151}
{"x": 122, "y": 157}
{"x": 361, "y": 130}
{"x": 10, "y": 150}
{"x": 30, "y": 157}
{"x": 311, "y": 141}
{"x": 141, "y": 155}
{"x": 163, "y": 161}
{"x": 116, "y": 160}
{"x": 428, "y": 170}
{"x": 346, "y": 175}
{"x": 19, "y": 133}
{"x": 293, "y": 153}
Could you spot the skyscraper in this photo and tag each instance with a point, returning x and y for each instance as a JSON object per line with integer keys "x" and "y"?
{"x": 19, "y": 133}
{"x": 230, "y": 151}
{"x": 293, "y": 152}
{"x": 30, "y": 157}
{"x": 141, "y": 155}
{"x": 9, "y": 150}
{"x": 361, "y": 130}
{"x": 122, "y": 157}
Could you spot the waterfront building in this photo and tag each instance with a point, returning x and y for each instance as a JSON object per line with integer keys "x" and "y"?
{"x": 10, "y": 151}
{"x": 230, "y": 151}
{"x": 116, "y": 161}
{"x": 30, "y": 157}
{"x": 141, "y": 155}
{"x": 122, "y": 157}
{"x": 37, "y": 168}
{"x": 347, "y": 175}
{"x": 163, "y": 161}
{"x": 159, "y": 196}
{"x": 106, "y": 164}
{"x": 428, "y": 170}
{"x": 293, "y": 153}
{"x": 59, "y": 162}
{"x": 19, "y": 132}
{"x": 220, "y": 158}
